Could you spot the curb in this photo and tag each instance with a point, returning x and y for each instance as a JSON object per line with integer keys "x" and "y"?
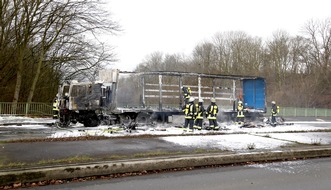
{"x": 150, "y": 164}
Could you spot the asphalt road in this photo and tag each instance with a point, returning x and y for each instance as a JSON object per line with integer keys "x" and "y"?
{"x": 22, "y": 130}
{"x": 295, "y": 175}
{"x": 39, "y": 151}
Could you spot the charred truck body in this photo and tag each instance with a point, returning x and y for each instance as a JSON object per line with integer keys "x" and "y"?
{"x": 130, "y": 98}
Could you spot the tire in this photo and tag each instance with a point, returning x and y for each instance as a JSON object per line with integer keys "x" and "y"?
{"x": 90, "y": 122}
{"x": 143, "y": 118}
{"x": 125, "y": 120}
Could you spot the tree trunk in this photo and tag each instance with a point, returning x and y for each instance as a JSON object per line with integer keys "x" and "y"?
{"x": 35, "y": 79}
{"x": 18, "y": 81}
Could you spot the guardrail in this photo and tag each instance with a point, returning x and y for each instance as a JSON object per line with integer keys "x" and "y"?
{"x": 302, "y": 112}
{"x": 45, "y": 109}
{"x": 32, "y": 109}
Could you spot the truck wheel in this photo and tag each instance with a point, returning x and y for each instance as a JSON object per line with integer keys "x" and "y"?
{"x": 143, "y": 118}
{"x": 90, "y": 122}
{"x": 125, "y": 120}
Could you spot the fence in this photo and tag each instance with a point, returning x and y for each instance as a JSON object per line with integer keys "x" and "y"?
{"x": 303, "y": 112}
{"x": 45, "y": 109}
{"x": 32, "y": 109}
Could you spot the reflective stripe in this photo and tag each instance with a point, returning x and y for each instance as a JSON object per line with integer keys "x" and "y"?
{"x": 214, "y": 109}
{"x": 274, "y": 110}
{"x": 186, "y": 109}
{"x": 199, "y": 112}
{"x": 191, "y": 108}
{"x": 240, "y": 112}
{"x": 189, "y": 111}
{"x": 55, "y": 105}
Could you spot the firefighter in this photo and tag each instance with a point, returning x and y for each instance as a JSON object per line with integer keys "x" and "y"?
{"x": 64, "y": 112}
{"x": 200, "y": 110}
{"x": 274, "y": 112}
{"x": 187, "y": 94}
{"x": 240, "y": 113}
{"x": 55, "y": 108}
{"x": 65, "y": 101}
{"x": 212, "y": 111}
{"x": 189, "y": 115}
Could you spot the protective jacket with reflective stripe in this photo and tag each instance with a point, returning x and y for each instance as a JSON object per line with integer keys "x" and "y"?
{"x": 189, "y": 110}
{"x": 212, "y": 111}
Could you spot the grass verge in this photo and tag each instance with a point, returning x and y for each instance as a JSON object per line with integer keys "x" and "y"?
{"x": 86, "y": 159}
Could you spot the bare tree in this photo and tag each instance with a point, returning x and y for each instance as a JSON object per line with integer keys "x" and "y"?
{"x": 222, "y": 52}
{"x": 53, "y": 34}
{"x": 8, "y": 73}
{"x": 238, "y": 53}
{"x": 318, "y": 33}
{"x": 204, "y": 59}
{"x": 299, "y": 63}
{"x": 278, "y": 52}
{"x": 25, "y": 21}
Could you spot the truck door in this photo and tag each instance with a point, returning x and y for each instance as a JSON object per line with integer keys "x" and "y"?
{"x": 254, "y": 93}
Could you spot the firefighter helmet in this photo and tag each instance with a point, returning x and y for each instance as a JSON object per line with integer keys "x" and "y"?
{"x": 240, "y": 102}
{"x": 213, "y": 100}
{"x": 200, "y": 100}
{"x": 273, "y": 102}
{"x": 191, "y": 99}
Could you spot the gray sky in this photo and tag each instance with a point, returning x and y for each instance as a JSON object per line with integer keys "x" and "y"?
{"x": 177, "y": 26}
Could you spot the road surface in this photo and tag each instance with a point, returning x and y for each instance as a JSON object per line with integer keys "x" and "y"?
{"x": 295, "y": 175}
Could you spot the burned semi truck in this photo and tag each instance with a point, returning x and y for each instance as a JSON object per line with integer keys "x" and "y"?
{"x": 130, "y": 98}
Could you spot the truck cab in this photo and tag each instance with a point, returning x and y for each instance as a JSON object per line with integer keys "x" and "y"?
{"x": 82, "y": 102}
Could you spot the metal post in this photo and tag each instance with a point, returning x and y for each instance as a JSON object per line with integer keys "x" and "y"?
{"x": 115, "y": 88}
{"x": 143, "y": 90}
{"x": 234, "y": 89}
{"x": 199, "y": 87}
{"x": 160, "y": 89}
{"x": 214, "y": 91}
{"x": 180, "y": 92}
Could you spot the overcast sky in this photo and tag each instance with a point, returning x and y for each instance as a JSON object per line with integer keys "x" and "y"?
{"x": 177, "y": 26}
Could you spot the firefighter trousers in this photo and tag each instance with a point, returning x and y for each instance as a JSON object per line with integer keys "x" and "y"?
{"x": 189, "y": 123}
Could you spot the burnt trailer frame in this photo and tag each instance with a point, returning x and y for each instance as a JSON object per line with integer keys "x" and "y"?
{"x": 94, "y": 103}
{"x": 164, "y": 115}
